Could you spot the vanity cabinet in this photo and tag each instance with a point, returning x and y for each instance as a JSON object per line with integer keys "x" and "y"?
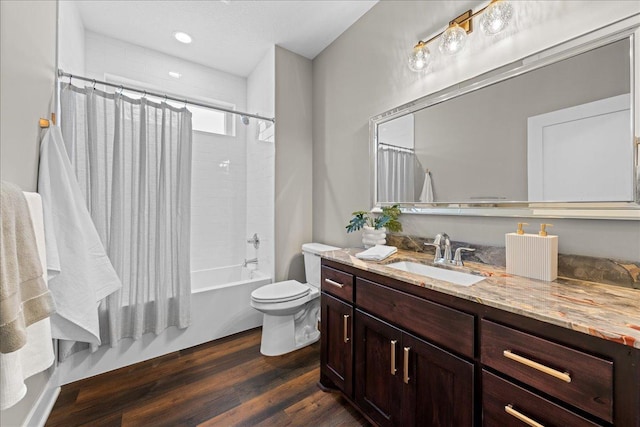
{"x": 403, "y": 380}
{"x": 577, "y": 378}
{"x": 336, "y": 357}
{"x": 405, "y": 355}
{"x": 336, "y": 329}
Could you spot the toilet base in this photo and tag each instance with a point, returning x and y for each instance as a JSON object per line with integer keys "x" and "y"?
{"x": 284, "y": 334}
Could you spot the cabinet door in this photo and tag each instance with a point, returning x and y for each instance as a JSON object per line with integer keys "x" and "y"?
{"x": 378, "y": 385}
{"x": 336, "y": 360}
{"x": 438, "y": 386}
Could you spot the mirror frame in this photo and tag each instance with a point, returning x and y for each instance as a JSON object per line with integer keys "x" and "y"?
{"x": 628, "y": 28}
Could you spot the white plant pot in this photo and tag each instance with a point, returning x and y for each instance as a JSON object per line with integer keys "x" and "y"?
{"x": 372, "y": 237}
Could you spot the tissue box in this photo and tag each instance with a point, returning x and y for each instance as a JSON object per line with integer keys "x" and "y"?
{"x": 533, "y": 256}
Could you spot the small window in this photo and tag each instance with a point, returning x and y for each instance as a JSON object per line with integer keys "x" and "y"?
{"x": 208, "y": 120}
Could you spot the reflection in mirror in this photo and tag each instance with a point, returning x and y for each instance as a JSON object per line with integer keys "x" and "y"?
{"x": 559, "y": 133}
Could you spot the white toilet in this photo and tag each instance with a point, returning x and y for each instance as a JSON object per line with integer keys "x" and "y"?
{"x": 291, "y": 309}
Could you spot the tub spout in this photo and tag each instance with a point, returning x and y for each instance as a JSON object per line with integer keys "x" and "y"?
{"x": 250, "y": 261}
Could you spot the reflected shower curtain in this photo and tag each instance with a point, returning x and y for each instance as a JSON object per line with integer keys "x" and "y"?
{"x": 396, "y": 175}
{"x": 132, "y": 159}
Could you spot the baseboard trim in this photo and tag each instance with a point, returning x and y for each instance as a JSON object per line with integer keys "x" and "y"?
{"x": 39, "y": 414}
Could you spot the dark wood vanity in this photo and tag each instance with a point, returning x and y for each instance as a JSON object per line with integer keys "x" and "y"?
{"x": 407, "y": 355}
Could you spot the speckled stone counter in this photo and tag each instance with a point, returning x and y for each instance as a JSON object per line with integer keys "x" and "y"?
{"x": 605, "y": 311}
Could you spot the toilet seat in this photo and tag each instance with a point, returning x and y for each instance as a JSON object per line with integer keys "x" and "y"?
{"x": 280, "y": 292}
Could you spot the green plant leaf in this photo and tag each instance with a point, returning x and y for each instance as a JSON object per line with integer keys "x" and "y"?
{"x": 357, "y": 222}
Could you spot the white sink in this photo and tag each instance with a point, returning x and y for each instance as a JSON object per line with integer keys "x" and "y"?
{"x": 456, "y": 277}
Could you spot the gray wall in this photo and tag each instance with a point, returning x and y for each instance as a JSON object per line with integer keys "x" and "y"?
{"x": 27, "y": 69}
{"x": 364, "y": 73}
{"x": 27, "y": 64}
{"x": 293, "y": 177}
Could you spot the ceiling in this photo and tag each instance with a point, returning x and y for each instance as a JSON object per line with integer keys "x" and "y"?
{"x": 228, "y": 35}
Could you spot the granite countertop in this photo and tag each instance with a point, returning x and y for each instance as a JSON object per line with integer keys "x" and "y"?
{"x": 605, "y": 311}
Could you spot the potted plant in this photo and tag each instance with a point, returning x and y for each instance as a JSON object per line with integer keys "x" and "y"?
{"x": 375, "y": 227}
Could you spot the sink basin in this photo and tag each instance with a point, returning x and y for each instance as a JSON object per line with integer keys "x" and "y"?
{"x": 456, "y": 277}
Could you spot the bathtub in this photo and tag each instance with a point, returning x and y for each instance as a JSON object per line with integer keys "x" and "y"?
{"x": 220, "y": 306}
{"x": 220, "y": 301}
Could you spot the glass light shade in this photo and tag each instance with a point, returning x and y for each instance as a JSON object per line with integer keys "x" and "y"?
{"x": 453, "y": 39}
{"x": 419, "y": 57}
{"x": 496, "y": 17}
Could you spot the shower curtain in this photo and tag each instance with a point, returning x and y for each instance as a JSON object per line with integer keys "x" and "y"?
{"x": 396, "y": 175}
{"x": 132, "y": 158}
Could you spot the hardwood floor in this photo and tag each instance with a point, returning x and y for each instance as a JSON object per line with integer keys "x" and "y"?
{"x": 226, "y": 382}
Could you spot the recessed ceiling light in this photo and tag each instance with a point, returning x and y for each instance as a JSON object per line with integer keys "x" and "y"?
{"x": 182, "y": 37}
{"x": 175, "y": 74}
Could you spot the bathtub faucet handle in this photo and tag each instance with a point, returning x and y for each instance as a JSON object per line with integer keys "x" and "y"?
{"x": 255, "y": 240}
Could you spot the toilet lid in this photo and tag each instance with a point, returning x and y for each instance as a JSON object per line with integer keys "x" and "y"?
{"x": 280, "y": 292}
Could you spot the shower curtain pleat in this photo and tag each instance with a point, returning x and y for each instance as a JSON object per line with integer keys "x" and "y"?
{"x": 133, "y": 160}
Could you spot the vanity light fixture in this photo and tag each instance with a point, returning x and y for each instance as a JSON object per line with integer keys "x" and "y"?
{"x": 182, "y": 37}
{"x": 495, "y": 18}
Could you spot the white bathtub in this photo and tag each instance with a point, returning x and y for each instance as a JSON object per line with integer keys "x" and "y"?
{"x": 220, "y": 306}
{"x": 220, "y": 301}
{"x": 216, "y": 278}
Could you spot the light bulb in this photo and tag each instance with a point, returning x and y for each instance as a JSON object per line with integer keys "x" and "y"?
{"x": 496, "y": 17}
{"x": 182, "y": 37}
{"x": 419, "y": 57}
{"x": 453, "y": 39}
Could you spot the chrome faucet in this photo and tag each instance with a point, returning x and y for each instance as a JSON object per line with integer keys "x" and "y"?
{"x": 442, "y": 242}
{"x": 457, "y": 258}
{"x": 250, "y": 261}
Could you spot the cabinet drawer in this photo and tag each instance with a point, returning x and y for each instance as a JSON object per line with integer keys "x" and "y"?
{"x": 504, "y": 404}
{"x": 337, "y": 283}
{"x": 442, "y": 325}
{"x": 577, "y": 378}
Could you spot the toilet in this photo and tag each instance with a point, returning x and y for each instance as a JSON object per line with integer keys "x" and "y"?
{"x": 291, "y": 309}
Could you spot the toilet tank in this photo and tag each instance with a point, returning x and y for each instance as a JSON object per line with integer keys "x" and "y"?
{"x": 311, "y": 252}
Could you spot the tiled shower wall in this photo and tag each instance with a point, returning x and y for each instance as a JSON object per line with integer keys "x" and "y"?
{"x": 261, "y": 163}
{"x": 218, "y": 201}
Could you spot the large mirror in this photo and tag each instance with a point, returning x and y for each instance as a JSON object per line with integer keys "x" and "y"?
{"x": 552, "y": 134}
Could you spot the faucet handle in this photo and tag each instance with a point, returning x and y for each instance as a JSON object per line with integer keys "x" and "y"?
{"x": 457, "y": 258}
{"x": 438, "y": 254}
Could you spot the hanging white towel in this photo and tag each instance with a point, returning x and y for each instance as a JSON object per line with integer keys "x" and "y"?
{"x": 427, "y": 189}
{"x": 80, "y": 271}
{"x": 377, "y": 253}
{"x": 37, "y": 354}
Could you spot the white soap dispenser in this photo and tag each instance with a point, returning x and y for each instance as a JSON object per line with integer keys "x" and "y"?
{"x": 530, "y": 255}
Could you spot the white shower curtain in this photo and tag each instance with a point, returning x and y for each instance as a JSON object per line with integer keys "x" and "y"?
{"x": 132, "y": 159}
{"x": 396, "y": 175}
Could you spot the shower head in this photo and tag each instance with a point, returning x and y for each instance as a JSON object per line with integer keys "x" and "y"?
{"x": 245, "y": 120}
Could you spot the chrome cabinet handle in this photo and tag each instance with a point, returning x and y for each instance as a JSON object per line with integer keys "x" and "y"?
{"x": 564, "y": 376}
{"x": 393, "y": 357}
{"x": 406, "y": 365}
{"x": 331, "y": 282}
{"x": 522, "y": 417}
{"x": 345, "y": 324}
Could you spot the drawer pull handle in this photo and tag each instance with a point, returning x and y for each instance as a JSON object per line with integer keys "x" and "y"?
{"x": 334, "y": 283}
{"x": 509, "y": 410}
{"x": 345, "y": 324}
{"x": 393, "y": 357}
{"x": 564, "y": 376}
{"x": 406, "y": 365}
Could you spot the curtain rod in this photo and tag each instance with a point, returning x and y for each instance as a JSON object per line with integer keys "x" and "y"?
{"x": 164, "y": 96}
{"x": 397, "y": 147}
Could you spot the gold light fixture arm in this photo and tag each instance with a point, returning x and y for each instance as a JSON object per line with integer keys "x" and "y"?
{"x": 465, "y": 21}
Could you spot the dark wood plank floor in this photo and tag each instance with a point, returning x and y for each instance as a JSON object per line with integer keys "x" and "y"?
{"x": 222, "y": 383}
